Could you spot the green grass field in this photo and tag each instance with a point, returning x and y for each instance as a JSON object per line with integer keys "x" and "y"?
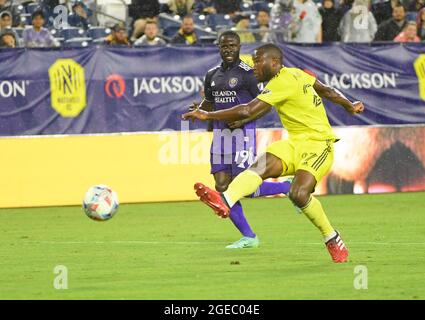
{"x": 176, "y": 251}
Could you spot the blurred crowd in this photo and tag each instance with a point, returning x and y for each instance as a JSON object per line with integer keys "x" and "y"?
{"x": 53, "y": 23}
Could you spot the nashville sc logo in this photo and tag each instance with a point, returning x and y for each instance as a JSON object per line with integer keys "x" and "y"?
{"x": 419, "y": 66}
{"x": 67, "y": 87}
{"x": 115, "y": 86}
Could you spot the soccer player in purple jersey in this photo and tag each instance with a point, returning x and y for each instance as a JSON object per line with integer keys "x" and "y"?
{"x": 232, "y": 151}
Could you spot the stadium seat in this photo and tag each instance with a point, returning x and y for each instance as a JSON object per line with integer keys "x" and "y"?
{"x": 204, "y": 32}
{"x": 99, "y": 41}
{"x": 208, "y": 39}
{"x": 411, "y": 16}
{"x": 200, "y": 19}
{"x": 77, "y": 42}
{"x": 98, "y": 32}
{"x": 215, "y": 20}
{"x": 167, "y": 21}
{"x": 18, "y": 8}
{"x": 31, "y": 7}
{"x": 170, "y": 31}
{"x": 260, "y": 5}
{"x": 19, "y": 31}
{"x": 71, "y": 32}
{"x": 246, "y": 6}
{"x": 25, "y": 18}
{"x": 252, "y": 20}
{"x": 55, "y": 33}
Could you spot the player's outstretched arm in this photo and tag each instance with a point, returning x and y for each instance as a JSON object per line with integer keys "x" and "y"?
{"x": 204, "y": 105}
{"x": 336, "y": 96}
{"x": 252, "y": 110}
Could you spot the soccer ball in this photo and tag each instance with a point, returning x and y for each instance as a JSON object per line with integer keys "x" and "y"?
{"x": 100, "y": 203}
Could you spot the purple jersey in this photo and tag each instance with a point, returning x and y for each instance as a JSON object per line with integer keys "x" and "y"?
{"x": 232, "y": 151}
{"x": 226, "y": 88}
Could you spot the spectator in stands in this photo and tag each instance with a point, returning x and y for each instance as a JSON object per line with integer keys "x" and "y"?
{"x": 345, "y": 5}
{"x": 6, "y": 24}
{"x": 181, "y": 8}
{"x": 382, "y": 10}
{"x": 186, "y": 33}
{"x": 263, "y": 26}
{"x": 204, "y": 7}
{"x": 80, "y": 15}
{"x": 230, "y": 7}
{"x": 241, "y": 28}
{"x": 282, "y": 20}
{"x": 408, "y": 34}
{"x": 390, "y": 28}
{"x": 331, "y": 18}
{"x": 5, "y": 20}
{"x": 12, "y": 8}
{"x": 150, "y": 38}
{"x": 141, "y": 11}
{"x": 37, "y": 36}
{"x": 414, "y": 5}
{"x": 118, "y": 36}
{"x": 5, "y": 5}
{"x": 358, "y": 24}
{"x": 7, "y": 39}
{"x": 420, "y": 21}
{"x": 308, "y": 22}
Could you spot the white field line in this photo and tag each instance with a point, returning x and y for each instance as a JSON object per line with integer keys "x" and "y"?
{"x": 212, "y": 242}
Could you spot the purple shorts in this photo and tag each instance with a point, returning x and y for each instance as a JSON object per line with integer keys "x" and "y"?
{"x": 233, "y": 164}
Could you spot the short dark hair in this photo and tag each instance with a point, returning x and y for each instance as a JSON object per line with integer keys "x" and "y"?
{"x": 188, "y": 16}
{"x": 5, "y": 13}
{"x": 263, "y": 10}
{"x": 118, "y": 27}
{"x": 151, "y": 21}
{"x": 273, "y": 49}
{"x": 37, "y": 13}
{"x": 399, "y": 4}
{"x": 231, "y": 34}
{"x": 78, "y": 3}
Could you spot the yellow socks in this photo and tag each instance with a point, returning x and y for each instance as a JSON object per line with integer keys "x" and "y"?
{"x": 248, "y": 181}
{"x": 314, "y": 211}
{"x": 243, "y": 185}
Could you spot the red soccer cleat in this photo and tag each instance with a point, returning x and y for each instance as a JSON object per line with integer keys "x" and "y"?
{"x": 212, "y": 199}
{"x": 337, "y": 249}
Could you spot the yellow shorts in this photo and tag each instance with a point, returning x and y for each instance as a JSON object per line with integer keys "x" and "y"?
{"x": 313, "y": 156}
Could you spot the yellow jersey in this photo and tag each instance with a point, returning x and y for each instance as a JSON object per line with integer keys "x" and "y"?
{"x": 300, "y": 108}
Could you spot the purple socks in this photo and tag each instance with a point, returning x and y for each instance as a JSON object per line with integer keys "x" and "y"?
{"x": 272, "y": 188}
{"x": 239, "y": 220}
{"x": 265, "y": 189}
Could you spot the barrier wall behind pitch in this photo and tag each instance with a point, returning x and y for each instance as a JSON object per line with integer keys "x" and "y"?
{"x": 145, "y": 167}
{"x": 112, "y": 89}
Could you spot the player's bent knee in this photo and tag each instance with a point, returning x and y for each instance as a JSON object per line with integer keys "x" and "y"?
{"x": 299, "y": 196}
{"x": 267, "y": 166}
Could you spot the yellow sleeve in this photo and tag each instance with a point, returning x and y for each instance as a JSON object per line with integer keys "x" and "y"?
{"x": 308, "y": 78}
{"x": 274, "y": 92}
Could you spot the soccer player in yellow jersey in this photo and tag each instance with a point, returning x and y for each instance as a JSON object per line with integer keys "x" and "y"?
{"x": 307, "y": 154}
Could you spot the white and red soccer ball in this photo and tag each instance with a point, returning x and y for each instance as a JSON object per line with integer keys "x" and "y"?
{"x": 100, "y": 203}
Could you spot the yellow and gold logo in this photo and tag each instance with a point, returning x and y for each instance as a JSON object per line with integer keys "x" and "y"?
{"x": 67, "y": 87}
{"x": 247, "y": 58}
{"x": 419, "y": 66}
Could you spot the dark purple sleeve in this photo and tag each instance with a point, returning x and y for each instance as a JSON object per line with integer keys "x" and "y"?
{"x": 252, "y": 85}
{"x": 207, "y": 88}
